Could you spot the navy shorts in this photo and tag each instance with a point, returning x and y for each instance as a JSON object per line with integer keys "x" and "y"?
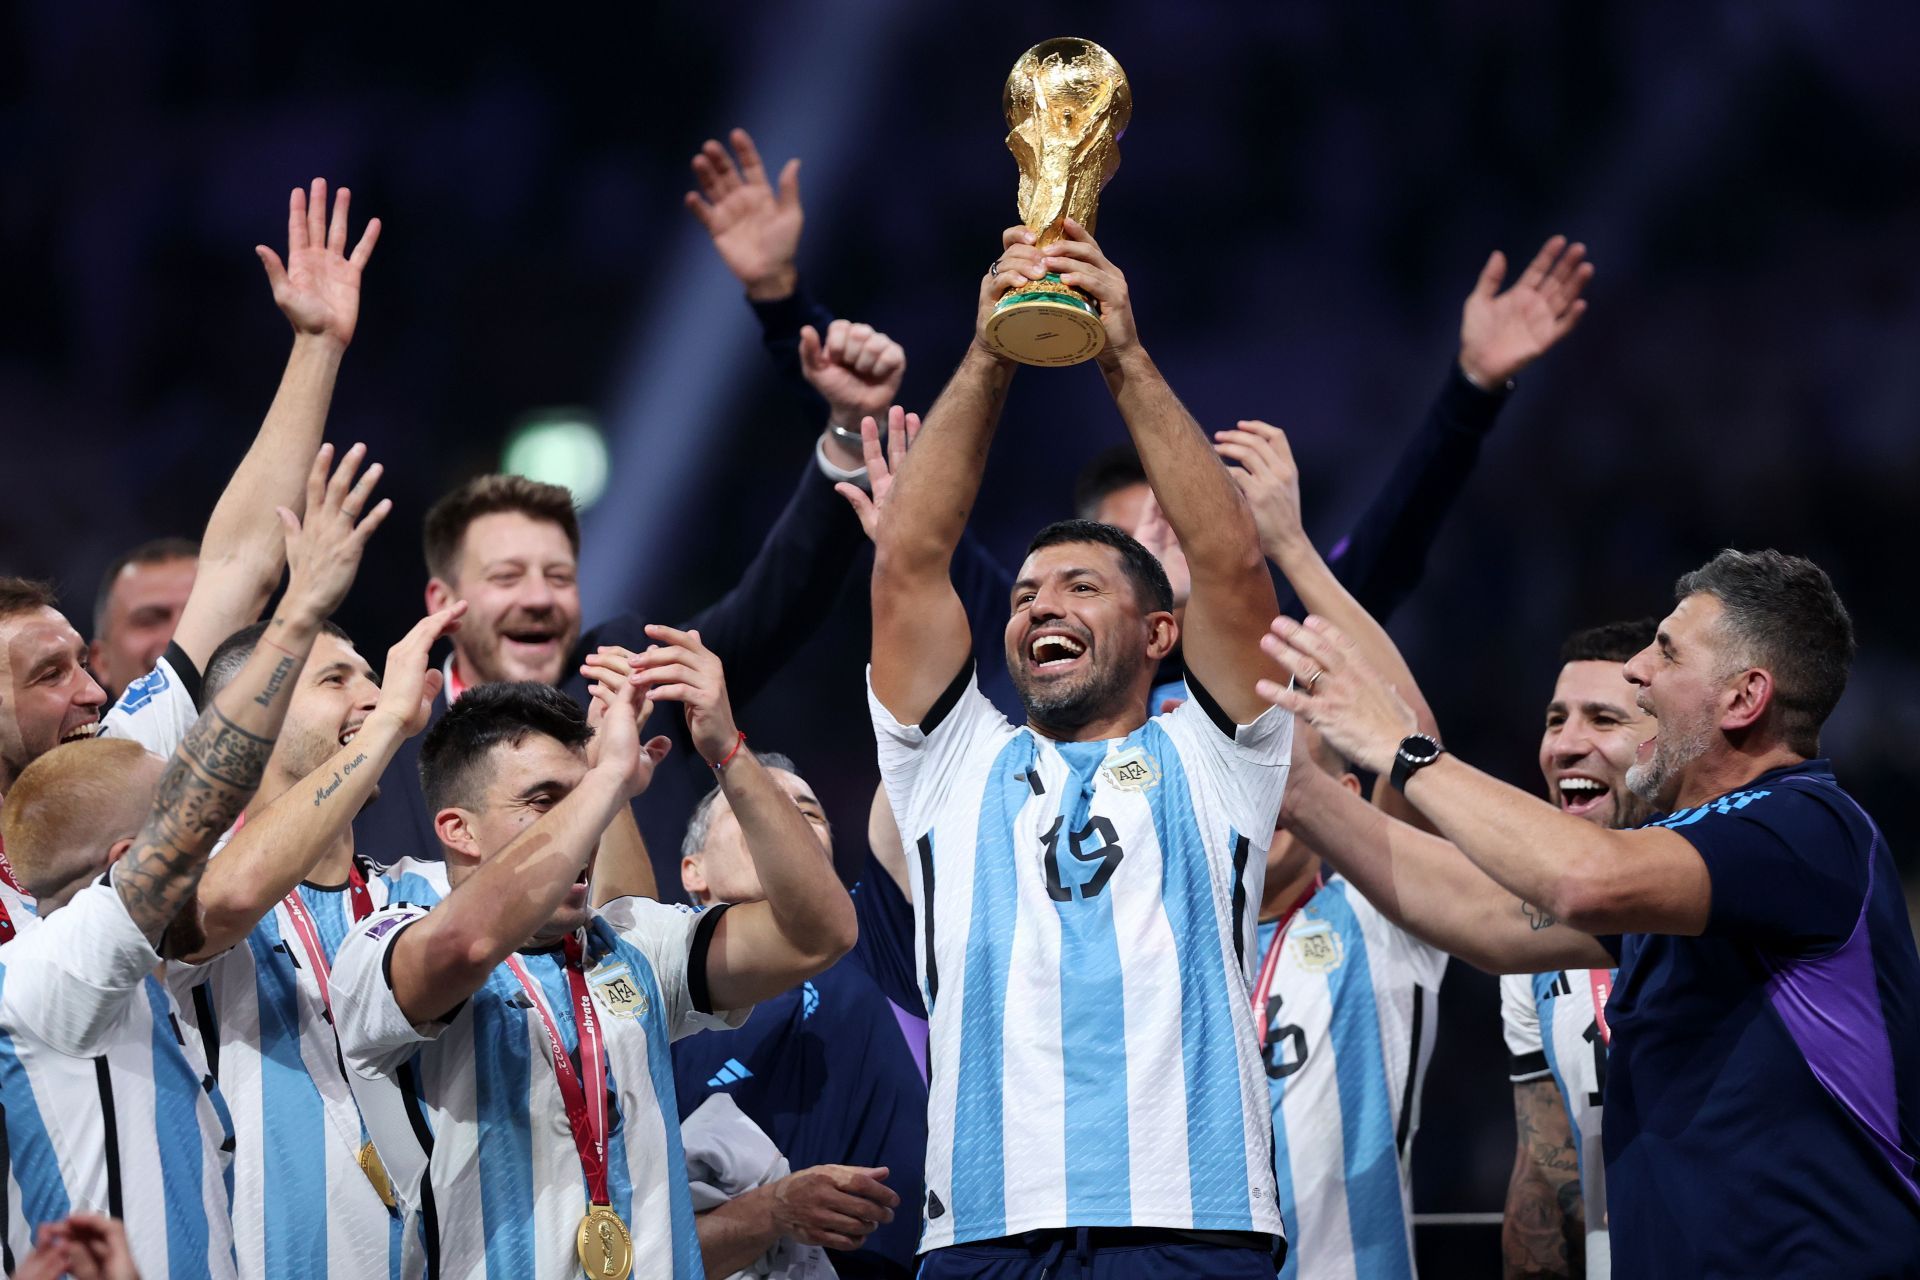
{"x": 1098, "y": 1254}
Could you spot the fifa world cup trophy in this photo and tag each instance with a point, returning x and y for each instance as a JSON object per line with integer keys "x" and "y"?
{"x": 1067, "y": 103}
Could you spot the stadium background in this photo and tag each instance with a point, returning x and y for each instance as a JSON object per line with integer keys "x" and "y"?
{"x": 1306, "y": 193}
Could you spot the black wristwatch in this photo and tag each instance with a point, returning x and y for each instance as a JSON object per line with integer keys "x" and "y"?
{"x": 1416, "y": 752}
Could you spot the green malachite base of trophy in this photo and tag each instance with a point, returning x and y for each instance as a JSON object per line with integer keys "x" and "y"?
{"x": 1046, "y": 323}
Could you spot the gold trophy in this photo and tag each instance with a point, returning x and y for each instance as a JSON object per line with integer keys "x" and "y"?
{"x": 1067, "y": 103}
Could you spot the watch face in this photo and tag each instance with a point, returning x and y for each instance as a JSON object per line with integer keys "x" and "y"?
{"x": 1418, "y": 748}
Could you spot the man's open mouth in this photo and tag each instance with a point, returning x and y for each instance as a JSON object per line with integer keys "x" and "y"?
{"x": 1580, "y": 795}
{"x": 1054, "y": 651}
{"x": 80, "y": 733}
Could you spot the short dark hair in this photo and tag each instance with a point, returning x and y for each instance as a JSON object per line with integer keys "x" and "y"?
{"x": 1783, "y": 611}
{"x": 230, "y": 656}
{"x": 448, "y": 519}
{"x": 1110, "y": 471}
{"x": 1609, "y": 642}
{"x": 1142, "y": 567}
{"x": 485, "y": 717}
{"x": 18, "y": 595}
{"x": 155, "y": 551}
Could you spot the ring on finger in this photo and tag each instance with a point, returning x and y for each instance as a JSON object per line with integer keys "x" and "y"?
{"x": 1314, "y": 679}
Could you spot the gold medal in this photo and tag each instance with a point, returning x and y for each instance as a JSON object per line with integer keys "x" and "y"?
{"x": 606, "y": 1250}
{"x": 376, "y": 1174}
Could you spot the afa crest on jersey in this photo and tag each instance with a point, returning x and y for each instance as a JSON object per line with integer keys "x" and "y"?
{"x": 1316, "y": 946}
{"x": 1132, "y": 770}
{"x": 618, "y": 991}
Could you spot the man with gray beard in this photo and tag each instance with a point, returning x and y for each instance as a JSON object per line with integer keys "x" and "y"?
{"x": 1762, "y": 1100}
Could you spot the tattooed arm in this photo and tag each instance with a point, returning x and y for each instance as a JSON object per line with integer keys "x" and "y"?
{"x": 281, "y": 845}
{"x": 216, "y": 769}
{"x": 1545, "y": 1229}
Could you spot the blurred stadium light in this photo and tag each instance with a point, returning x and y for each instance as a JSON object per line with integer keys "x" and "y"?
{"x": 563, "y": 447}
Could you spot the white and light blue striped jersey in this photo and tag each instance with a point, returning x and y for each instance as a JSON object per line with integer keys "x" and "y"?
{"x": 1571, "y": 1005}
{"x": 1085, "y": 912}
{"x": 157, "y": 709}
{"x": 108, "y": 1106}
{"x": 302, "y": 1209}
{"x": 480, "y": 1151}
{"x": 1350, "y": 1016}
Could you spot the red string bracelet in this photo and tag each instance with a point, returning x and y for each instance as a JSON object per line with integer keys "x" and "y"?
{"x": 728, "y": 758}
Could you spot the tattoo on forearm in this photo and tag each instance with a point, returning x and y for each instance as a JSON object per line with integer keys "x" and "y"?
{"x": 1537, "y": 919}
{"x": 321, "y": 793}
{"x": 206, "y": 784}
{"x": 1545, "y": 1216}
{"x": 281, "y": 671}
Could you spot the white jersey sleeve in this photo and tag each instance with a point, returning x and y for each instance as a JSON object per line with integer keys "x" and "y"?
{"x": 375, "y": 1036}
{"x": 72, "y": 976}
{"x": 916, "y": 764}
{"x": 157, "y": 709}
{"x": 1520, "y": 1021}
{"x": 1248, "y": 764}
{"x": 666, "y": 936}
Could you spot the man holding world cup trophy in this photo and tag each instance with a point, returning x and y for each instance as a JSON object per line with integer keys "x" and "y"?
{"x": 1085, "y": 883}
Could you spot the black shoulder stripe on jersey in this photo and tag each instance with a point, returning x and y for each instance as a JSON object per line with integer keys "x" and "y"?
{"x": 926, "y": 889}
{"x": 209, "y": 1027}
{"x": 946, "y": 702}
{"x": 1241, "y": 851}
{"x": 110, "y": 1136}
{"x": 417, "y": 1118}
{"x": 1523, "y": 1067}
{"x": 697, "y": 989}
{"x": 1221, "y": 720}
{"x": 1410, "y": 1093}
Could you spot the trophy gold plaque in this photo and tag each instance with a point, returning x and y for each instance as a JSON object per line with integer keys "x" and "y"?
{"x": 1067, "y": 103}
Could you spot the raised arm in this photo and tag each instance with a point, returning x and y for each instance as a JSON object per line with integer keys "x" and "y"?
{"x": 279, "y": 846}
{"x": 1645, "y": 881}
{"x": 1425, "y": 885}
{"x": 216, "y": 769}
{"x": 318, "y": 289}
{"x": 806, "y": 920}
{"x": 1501, "y": 334}
{"x": 920, "y": 635}
{"x": 622, "y": 867}
{"x": 1232, "y": 597}
{"x": 447, "y": 954}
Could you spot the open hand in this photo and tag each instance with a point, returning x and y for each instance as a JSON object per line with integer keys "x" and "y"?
{"x": 755, "y": 229}
{"x": 882, "y": 468}
{"x": 1503, "y": 333}
{"x": 617, "y": 711}
{"x": 323, "y": 551}
{"x": 1270, "y": 479}
{"x": 408, "y": 687}
{"x": 833, "y": 1205}
{"x": 856, "y": 369}
{"x": 1079, "y": 261}
{"x": 318, "y": 286}
{"x": 679, "y": 668}
{"x": 1336, "y": 691}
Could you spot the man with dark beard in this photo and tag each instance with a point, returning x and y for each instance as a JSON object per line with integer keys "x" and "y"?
{"x": 1762, "y": 1100}
{"x": 1085, "y": 884}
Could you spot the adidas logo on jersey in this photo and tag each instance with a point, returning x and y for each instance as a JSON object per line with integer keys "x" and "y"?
{"x": 732, "y": 1071}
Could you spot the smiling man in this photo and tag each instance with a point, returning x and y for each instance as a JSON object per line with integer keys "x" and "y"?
{"x": 1556, "y": 1022}
{"x": 1763, "y": 1072}
{"x": 1084, "y": 884}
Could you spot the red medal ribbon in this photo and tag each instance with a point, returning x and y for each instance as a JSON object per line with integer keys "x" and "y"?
{"x": 6, "y": 870}
{"x": 1271, "y": 962}
{"x": 586, "y": 1102}
{"x": 1601, "y": 982}
{"x": 309, "y": 933}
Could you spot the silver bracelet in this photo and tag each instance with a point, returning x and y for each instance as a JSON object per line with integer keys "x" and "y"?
{"x": 851, "y": 439}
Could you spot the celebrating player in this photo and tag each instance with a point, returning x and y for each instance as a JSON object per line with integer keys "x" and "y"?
{"x": 478, "y": 1006}
{"x": 1084, "y": 885}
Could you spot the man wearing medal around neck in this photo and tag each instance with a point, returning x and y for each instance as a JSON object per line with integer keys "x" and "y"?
{"x": 528, "y": 1033}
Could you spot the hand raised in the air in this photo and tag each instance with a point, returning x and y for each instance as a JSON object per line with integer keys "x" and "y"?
{"x": 408, "y": 686}
{"x": 318, "y": 286}
{"x": 855, "y": 368}
{"x": 755, "y": 228}
{"x": 882, "y": 468}
{"x": 1503, "y": 333}
{"x": 833, "y": 1205}
{"x": 1270, "y": 479}
{"x": 1336, "y": 691}
{"x": 1017, "y": 267}
{"x": 679, "y": 668}
{"x": 617, "y": 710}
{"x": 1079, "y": 261}
{"x": 324, "y": 549}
